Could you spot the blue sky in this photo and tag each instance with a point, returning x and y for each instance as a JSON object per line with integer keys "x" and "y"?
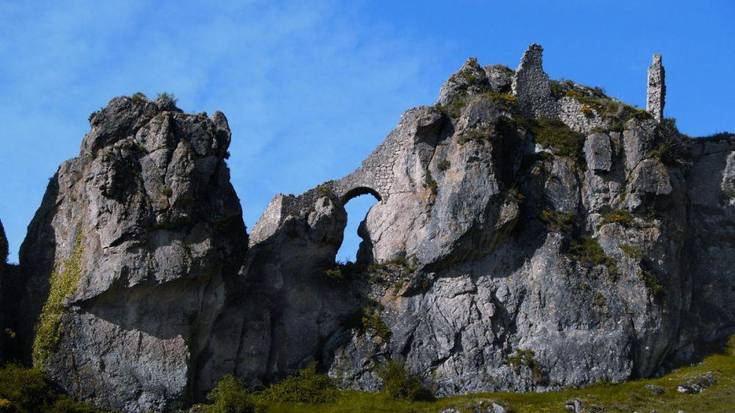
{"x": 311, "y": 87}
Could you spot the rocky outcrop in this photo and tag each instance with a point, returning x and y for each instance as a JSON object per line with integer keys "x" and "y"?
{"x": 128, "y": 259}
{"x": 528, "y": 235}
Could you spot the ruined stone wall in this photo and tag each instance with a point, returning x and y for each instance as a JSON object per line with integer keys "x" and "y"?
{"x": 532, "y": 87}
{"x": 656, "y": 89}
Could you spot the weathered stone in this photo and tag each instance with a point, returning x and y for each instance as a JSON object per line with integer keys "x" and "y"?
{"x": 470, "y": 79}
{"x": 574, "y": 405}
{"x": 145, "y": 229}
{"x": 728, "y": 179}
{"x": 656, "y": 99}
{"x": 655, "y": 389}
{"x": 493, "y": 267}
{"x": 531, "y": 86}
{"x": 500, "y": 78}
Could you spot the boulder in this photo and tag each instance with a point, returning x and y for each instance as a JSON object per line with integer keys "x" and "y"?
{"x": 598, "y": 152}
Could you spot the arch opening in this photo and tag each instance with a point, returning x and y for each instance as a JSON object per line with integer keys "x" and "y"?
{"x": 359, "y": 191}
{"x": 356, "y": 244}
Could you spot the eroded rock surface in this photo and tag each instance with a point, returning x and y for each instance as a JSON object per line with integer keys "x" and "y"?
{"x": 127, "y": 260}
{"x": 529, "y": 235}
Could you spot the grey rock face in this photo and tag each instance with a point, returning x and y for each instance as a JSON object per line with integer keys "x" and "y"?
{"x": 139, "y": 235}
{"x": 500, "y": 78}
{"x": 598, "y": 152}
{"x": 471, "y": 78}
{"x": 531, "y": 86}
{"x": 485, "y": 265}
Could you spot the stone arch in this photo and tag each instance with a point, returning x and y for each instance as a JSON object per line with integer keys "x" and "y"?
{"x": 358, "y": 191}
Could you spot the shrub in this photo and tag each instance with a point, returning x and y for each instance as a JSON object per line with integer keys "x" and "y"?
{"x": 619, "y": 216}
{"x": 454, "y": 108}
{"x": 335, "y": 273}
{"x": 63, "y": 283}
{"x": 371, "y": 320}
{"x": 514, "y": 194}
{"x": 139, "y": 97}
{"x": 653, "y": 285}
{"x": 505, "y": 100}
{"x": 326, "y": 189}
{"x": 443, "y": 165}
{"x": 556, "y": 135}
{"x": 664, "y": 152}
{"x": 632, "y": 251}
{"x": 556, "y": 221}
{"x": 25, "y": 389}
{"x": 229, "y": 396}
{"x": 400, "y": 384}
{"x": 587, "y": 251}
{"x": 166, "y": 100}
{"x": 306, "y": 386}
{"x": 430, "y": 183}
{"x": 587, "y": 111}
{"x": 526, "y": 358}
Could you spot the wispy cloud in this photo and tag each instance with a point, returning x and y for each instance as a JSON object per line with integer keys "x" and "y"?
{"x": 309, "y": 89}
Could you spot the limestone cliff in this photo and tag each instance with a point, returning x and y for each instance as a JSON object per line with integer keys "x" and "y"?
{"x": 529, "y": 235}
{"x": 127, "y": 259}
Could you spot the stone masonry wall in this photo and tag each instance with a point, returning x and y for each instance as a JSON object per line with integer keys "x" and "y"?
{"x": 656, "y": 89}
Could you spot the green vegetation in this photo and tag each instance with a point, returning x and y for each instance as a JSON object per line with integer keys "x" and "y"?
{"x": 139, "y": 98}
{"x": 399, "y": 384}
{"x": 326, "y": 189}
{"x": 468, "y": 74}
{"x": 612, "y": 398}
{"x": 526, "y": 358}
{"x": 595, "y": 103}
{"x": 27, "y": 391}
{"x": 443, "y": 165}
{"x": 370, "y": 320}
{"x": 505, "y": 100}
{"x": 430, "y": 183}
{"x": 632, "y": 251}
{"x": 480, "y": 134}
{"x": 665, "y": 152}
{"x": 229, "y": 396}
{"x": 63, "y": 282}
{"x": 556, "y": 221}
{"x": 306, "y": 386}
{"x": 587, "y": 251}
{"x": 618, "y": 216}
{"x": 454, "y": 108}
{"x": 514, "y": 194}
{"x": 653, "y": 285}
{"x": 587, "y": 111}
{"x": 557, "y": 136}
{"x": 166, "y": 100}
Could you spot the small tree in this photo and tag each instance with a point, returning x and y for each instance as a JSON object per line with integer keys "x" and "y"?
{"x": 229, "y": 396}
{"x": 398, "y": 383}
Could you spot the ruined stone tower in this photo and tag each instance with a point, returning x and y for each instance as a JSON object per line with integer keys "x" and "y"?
{"x": 656, "y": 89}
{"x": 531, "y": 85}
